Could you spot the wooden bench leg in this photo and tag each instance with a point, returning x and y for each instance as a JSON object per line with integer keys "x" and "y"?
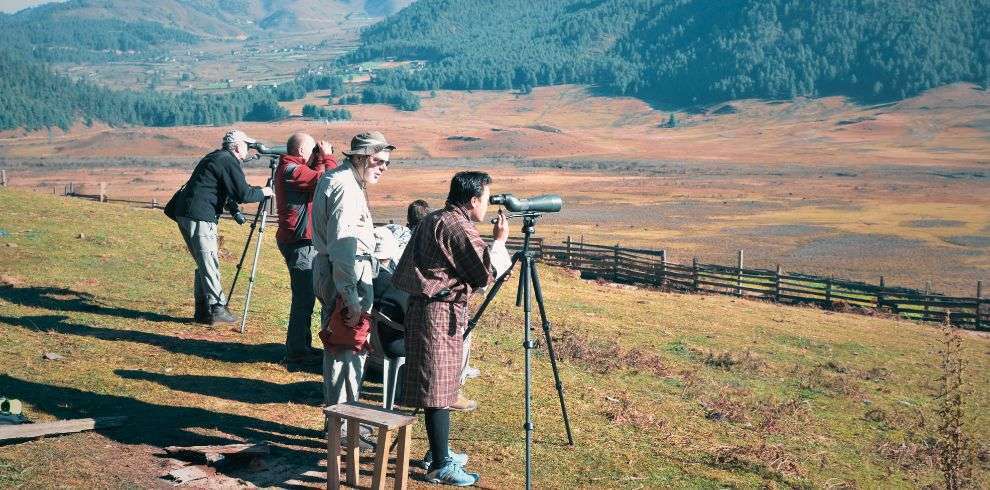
{"x": 333, "y": 453}
{"x": 381, "y": 459}
{"x": 402, "y": 458}
{"x": 353, "y": 452}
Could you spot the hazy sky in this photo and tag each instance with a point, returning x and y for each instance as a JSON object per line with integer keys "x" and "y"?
{"x": 11, "y": 6}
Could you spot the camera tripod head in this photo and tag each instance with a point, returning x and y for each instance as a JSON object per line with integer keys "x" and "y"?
{"x": 529, "y": 217}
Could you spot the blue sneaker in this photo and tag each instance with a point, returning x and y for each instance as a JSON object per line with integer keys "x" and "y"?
{"x": 459, "y": 458}
{"x": 452, "y": 473}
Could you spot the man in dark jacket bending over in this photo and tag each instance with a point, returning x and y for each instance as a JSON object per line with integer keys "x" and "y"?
{"x": 298, "y": 172}
{"x": 217, "y": 178}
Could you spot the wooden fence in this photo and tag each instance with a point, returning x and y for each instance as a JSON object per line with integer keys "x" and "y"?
{"x": 651, "y": 268}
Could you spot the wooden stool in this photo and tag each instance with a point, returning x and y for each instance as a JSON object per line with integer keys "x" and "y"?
{"x": 386, "y": 421}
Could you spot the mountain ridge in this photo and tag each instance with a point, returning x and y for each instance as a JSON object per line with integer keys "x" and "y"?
{"x": 688, "y": 52}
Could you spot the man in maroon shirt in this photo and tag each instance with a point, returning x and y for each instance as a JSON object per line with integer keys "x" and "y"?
{"x": 445, "y": 262}
{"x": 296, "y": 177}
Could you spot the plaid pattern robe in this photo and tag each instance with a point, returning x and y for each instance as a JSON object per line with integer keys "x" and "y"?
{"x": 445, "y": 253}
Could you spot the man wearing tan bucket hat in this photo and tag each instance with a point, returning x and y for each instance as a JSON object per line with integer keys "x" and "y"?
{"x": 345, "y": 264}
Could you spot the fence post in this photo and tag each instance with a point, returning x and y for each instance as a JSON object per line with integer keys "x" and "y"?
{"x": 663, "y": 268}
{"x": 928, "y": 291}
{"x": 154, "y": 203}
{"x": 979, "y": 299}
{"x": 570, "y": 264}
{"x": 615, "y": 263}
{"x": 828, "y": 291}
{"x": 3, "y": 178}
{"x": 103, "y": 192}
{"x": 739, "y": 273}
{"x": 694, "y": 273}
{"x": 776, "y": 284}
{"x": 880, "y": 294}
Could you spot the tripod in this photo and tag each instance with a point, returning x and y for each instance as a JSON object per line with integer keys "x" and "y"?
{"x": 266, "y": 206}
{"x": 529, "y": 280}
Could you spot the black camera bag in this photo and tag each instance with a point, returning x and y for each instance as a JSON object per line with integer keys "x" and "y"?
{"x": 172, "y": 203}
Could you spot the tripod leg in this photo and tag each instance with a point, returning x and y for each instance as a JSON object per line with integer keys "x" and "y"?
{"x": 254, "y": 266}
{"x": 490, "y": 296}
{"x": 240, "y": 263}
{"x": 553, "y": 357}
{"x": 528, "y": 345}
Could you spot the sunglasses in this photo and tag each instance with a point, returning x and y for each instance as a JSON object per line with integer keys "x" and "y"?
{"x": 375, "y": 162}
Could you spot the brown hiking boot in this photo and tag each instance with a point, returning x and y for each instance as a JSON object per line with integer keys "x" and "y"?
{"x": 463, "y": 404}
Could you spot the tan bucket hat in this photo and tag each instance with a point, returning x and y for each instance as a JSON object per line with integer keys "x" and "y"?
{"x": 368, "y": 143}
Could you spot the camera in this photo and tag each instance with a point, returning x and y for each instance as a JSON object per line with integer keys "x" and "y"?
{"x": 235, "y": 211}
{"x": 264, "y": 150}
{"x": 549, "y": 203}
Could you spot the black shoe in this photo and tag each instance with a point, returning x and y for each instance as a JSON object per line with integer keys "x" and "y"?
{"x": 305, "y": 359}
{"x": 366, "y": 440}
{"x": 220, "y": 314}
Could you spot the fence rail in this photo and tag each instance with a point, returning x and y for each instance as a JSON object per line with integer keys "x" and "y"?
{"x": 651, "y": 268}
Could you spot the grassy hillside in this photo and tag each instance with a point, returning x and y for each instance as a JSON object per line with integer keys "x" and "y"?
{"x": 664, "y": 389}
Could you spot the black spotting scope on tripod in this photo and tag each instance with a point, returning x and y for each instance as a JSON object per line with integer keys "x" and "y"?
{"x": 530, "y": 211}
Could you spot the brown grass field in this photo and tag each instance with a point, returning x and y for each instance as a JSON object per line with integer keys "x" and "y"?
{"x": 664, "y": 390}
{"x": 822, "y": 186}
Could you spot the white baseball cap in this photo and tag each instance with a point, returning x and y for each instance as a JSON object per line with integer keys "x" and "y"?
{"x": 236, "y": 135}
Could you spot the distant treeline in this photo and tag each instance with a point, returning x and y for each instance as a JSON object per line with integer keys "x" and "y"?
{"x": 384, "y": 92}
{"x": 688, "y": 51}
{"x": 33, "y": 97}
{"x": 317, "y": 112}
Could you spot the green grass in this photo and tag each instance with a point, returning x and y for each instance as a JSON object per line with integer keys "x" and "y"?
{"x": 664, "y": 390}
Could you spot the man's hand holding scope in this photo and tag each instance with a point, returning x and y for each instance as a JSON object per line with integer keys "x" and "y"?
{"x": 501, "y": 229}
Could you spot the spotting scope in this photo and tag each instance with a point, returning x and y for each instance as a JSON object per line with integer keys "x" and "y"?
{"x": 549, "y": 203}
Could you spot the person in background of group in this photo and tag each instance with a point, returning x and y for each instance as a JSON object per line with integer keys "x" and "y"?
{"x": 414, "y": 213}
{"x": 296, "y": 176}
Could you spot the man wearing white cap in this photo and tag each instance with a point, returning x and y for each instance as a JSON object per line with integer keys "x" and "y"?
{"x": 196, "y": 208}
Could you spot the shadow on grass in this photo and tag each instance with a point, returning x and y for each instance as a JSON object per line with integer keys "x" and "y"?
{"x": 62, "y": 299}
{"x": 160, "y": 425}
{"x": 236, "y": 389}
{"x": 207, "y": 349}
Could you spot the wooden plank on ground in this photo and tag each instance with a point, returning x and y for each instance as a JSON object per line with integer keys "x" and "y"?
{"x": 30, "y": 431}
{"x": 214, "y": 454}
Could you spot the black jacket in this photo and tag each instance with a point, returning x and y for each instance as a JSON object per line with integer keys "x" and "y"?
{"x": 217, "y": 177}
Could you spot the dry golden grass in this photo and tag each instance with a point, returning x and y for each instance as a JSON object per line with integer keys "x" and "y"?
{"x": 946, "y": 126}
{"x": 663, "y": 389}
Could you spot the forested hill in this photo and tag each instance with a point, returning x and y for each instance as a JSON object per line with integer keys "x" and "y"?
{"x": 33, "y": 97}
{"x": 689, "y": 51}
